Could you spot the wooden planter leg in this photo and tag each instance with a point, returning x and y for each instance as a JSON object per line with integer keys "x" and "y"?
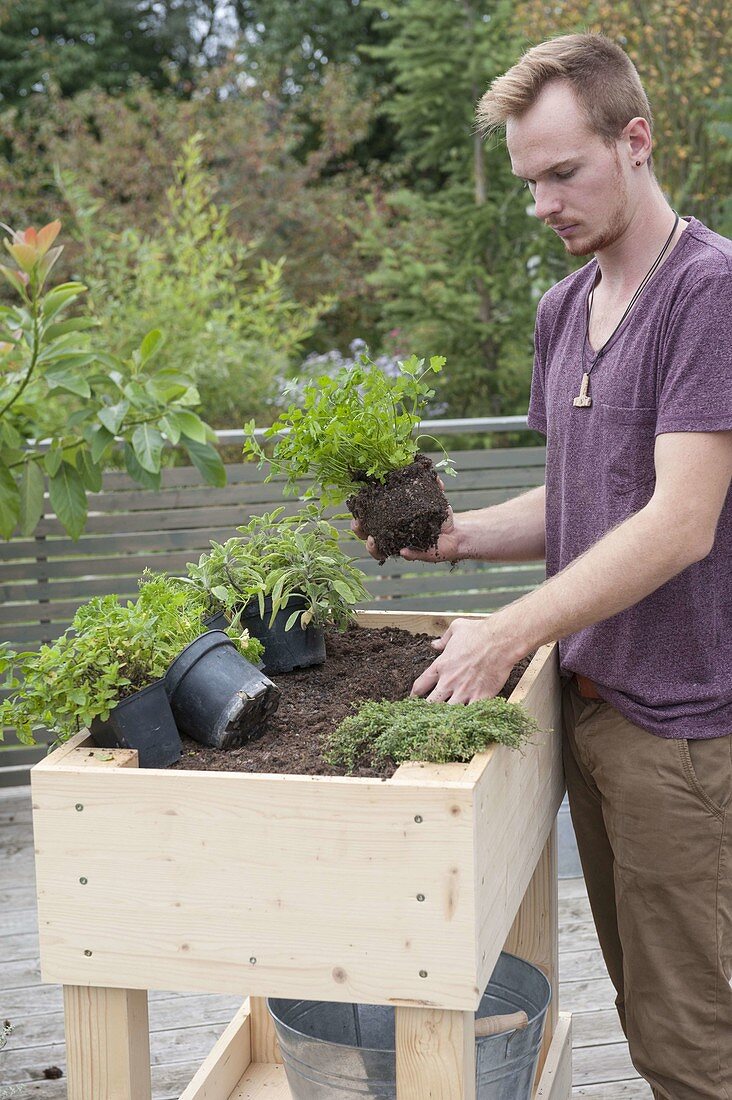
{"x": 107, "y": 1043}
{"x": 265, "y": 1047}
{"x": 535, "y": 932}
{"x": 435, "y": 1054}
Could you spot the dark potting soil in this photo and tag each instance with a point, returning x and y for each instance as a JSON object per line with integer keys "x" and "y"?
{"x": 361, "y": 664}
{"x": 408, "y": 509}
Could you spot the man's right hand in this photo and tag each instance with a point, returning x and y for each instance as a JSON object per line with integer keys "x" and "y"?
{"x": 446, "y": 549}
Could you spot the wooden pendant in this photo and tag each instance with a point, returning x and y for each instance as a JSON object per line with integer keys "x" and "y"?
{"x": 583, "y": 401}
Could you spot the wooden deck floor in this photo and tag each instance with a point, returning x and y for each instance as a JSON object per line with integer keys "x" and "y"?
{"x": 185, "y": 1026}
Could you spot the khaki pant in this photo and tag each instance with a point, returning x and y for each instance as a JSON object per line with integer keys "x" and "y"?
{"x": 652, "y": 819}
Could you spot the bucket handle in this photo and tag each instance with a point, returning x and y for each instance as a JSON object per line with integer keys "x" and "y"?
{"x": 494, "y": 1025}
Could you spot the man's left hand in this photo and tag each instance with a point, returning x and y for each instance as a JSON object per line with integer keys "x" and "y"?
{"x": 474, "y": 663}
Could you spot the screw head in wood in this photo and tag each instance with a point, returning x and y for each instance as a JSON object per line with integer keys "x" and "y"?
{"x": 418, "y": 819}
{"x": 78, "y": 806}
{"x": 423, "y": 973}
{"x": 87, "y": 952}
{"x": 253, "y": 960}
{"x": 83, "y": 881}
{"x": 420, "y": 897}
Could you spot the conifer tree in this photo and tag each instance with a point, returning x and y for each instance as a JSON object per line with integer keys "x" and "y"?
{"x": 458, "y": 253}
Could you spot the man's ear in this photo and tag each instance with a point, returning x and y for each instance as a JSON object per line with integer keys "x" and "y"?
{"x": 637, "y": 141}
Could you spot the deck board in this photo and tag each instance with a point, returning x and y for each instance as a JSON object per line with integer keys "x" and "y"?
{"x": 183, "y": 1027}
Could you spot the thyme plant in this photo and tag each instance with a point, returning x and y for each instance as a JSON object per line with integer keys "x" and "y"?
{"x": 414, "y": 729}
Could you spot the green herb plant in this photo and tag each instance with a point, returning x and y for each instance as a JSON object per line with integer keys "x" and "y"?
{"x": 414, "y": 729}
{"x": 281, "y": 556}
{"x": 357, "y": 425}
{"x": 110, "y": 651}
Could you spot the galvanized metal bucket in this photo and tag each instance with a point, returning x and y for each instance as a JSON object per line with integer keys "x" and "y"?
{"x": 336, "y": 1051}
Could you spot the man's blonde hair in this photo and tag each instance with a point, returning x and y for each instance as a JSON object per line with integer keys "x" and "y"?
{"x": 602, "y": 76}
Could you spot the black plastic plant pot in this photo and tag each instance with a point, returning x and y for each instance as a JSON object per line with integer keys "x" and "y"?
{"x": 216, "y": 622}
{"x": 145, "y": 722}
{"x": 218, "y": 697}
{"x": 284, "y": 649}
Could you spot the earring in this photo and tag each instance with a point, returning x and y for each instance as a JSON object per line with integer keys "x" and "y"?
{"x": 638, "y": 164}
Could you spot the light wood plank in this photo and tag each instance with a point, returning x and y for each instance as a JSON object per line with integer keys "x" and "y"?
{"x": 605, "y": 1063}
{"x": 107, "y": 1043}
{"x": 265, "y": 1046}
{"x": 518, "y": 795}
{"x": 534, "y": 933}
{"x": 635, "y": 1089}
{"x": 302, "y": 846}
{"x": 435, "y": 1054}
{"x": 227, "y": 1062}
{"x": 555, "y": 1082}
{"x": 262, "y": 1082}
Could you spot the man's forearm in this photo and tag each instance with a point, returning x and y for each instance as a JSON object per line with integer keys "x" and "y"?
{"x": 511, "y": 531}
{"x": 626, "y": 565}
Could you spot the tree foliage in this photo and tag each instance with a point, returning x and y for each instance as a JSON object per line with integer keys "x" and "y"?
{"x": 64, "y": 399}
{"x": 85, "y": 43}
{"x": 338, "y": 134}
{"x": 235, "y": 327}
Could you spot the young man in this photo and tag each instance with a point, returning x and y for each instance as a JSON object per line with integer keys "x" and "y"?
{"x": 632, "y": 387}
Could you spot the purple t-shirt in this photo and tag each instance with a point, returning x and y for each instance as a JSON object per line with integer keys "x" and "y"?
{"x": 666, "y": 662}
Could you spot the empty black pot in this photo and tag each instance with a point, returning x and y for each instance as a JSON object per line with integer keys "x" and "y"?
{"x": 284, "y": 649}
{"x": 218, "y": 621}
{"x": 145, "y": 722}
{"x": 218, "y": 697}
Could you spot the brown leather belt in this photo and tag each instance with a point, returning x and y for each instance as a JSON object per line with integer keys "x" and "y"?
{"x": 586, "y": 688}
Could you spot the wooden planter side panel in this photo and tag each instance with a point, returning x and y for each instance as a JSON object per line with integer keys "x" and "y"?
{"x": 273, "y": 885}
{"x": 517, "y": 800}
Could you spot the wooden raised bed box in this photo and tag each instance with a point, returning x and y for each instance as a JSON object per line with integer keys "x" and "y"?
{"x": 299, "y": 886}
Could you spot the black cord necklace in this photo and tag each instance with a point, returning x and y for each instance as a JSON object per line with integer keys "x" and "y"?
{"x": 583, "y": 400}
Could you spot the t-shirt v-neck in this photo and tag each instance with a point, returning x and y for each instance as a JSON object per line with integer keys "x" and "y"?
{"x": 666, "y": 663}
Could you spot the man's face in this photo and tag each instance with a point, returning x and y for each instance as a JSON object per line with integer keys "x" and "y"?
{"x": 576, "y": 180}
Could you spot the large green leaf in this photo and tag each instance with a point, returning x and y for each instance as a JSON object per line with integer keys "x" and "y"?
{"x": 207, "y": 461}
{"x": 137, "y": 473}
{"x": 59, "y": 297}
{"x": 74, "y": 324}
{"x": 9, "y": 503}
{"x": 68, "y": 499}
{"x": 53, "y": 460}
{"x": 170, "y": 429}
{"x": 68, "y": 378}
{"x": 31, "y": 498}
{"x": 101, "y": 439}
{"x": 112, "y": 416}
{"x": 147, "y": 442}
{"x": 150, "y": 345}
{"x": 188, "y": 424}
{"x": 91, "y": 474}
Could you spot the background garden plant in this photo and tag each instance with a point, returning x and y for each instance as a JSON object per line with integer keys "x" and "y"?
{"x": 57, "y": 386}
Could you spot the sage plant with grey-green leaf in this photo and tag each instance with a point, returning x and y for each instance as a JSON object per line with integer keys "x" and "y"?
{"x": 279, "y": 556}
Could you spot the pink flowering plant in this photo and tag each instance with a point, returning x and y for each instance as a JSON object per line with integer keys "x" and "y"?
{"x": 65, "y": 404}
